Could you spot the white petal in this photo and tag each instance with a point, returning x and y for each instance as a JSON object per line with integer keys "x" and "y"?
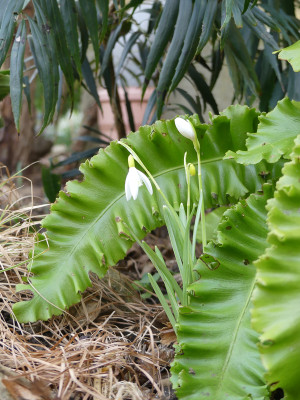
{"x": 185, "y": 128}
{"x": 146, "y": 181}
{"x": 127, "y": 188}
{"x": 134, "y": 182}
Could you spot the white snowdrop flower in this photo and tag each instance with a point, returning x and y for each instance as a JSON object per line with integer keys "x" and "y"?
{"x": 185, "y": 128}
{"x": 134, "y": 180}
{"x": 18, "y": 39}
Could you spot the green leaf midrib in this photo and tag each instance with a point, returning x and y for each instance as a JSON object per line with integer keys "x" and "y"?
{"x": 236, "y": 331}
{"x": 157, "y": 175}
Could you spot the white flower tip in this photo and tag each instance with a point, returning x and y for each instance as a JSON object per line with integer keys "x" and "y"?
{"x": 185, "y": 128}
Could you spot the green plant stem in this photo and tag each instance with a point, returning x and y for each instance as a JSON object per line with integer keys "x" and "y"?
{"x": 203, "y": 229}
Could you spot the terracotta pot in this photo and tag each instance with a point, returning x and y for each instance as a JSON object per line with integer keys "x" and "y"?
{"x": 106, "y": 119}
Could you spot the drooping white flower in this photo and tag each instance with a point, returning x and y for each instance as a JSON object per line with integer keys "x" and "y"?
{"x": 185, "y": 128}
{"x": 134, "y": 180}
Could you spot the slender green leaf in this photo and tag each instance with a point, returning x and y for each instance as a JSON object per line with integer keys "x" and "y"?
{"x": 16, "y": 72}
{"x": 163, "y": 301}
{"x": 103, "y": 7}
{"x": 63, "y": 54}
{"x": 214, "y": 332}
{"x": 275, "y": 136}
{"x": 109, "y": 48}
{"x": 47, "y": 68}
{"x": 164, "y": 32}
{"x": 90, "y": 81}
{"x": 208, "y": 22}
{"x": 51, "y": 183}
{"x": 128, "y": 46}
{"x": 82, "y": 231}
{"x": 89, "y": 13}
{"x": 276, "y": 299}
{"x": 69, "y": 15}
{"x": 190, "y": 43}
{"x": 11, "y": 9}
{"x": 169, "y": 65}
{"x": 203, "y": 88}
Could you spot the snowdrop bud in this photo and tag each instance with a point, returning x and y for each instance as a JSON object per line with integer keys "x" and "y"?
{"x": 192, "y": 170}
{"x": 185, "y": 128}
{"x": 130, "y": 161}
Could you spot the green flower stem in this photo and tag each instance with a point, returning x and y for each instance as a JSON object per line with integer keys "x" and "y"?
{"x": 188, "y": 181}
{"x": 203, "y": 229}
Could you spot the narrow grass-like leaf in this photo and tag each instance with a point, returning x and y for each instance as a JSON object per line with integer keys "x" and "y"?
{"x": 162, "y": 301}
{"x": 16, "y": 72}
{"x": 215, "y": 330}
{"x": 276, "y": 299}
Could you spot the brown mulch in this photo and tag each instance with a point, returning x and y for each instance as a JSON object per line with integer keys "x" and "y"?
{"x": 112, "y": 345}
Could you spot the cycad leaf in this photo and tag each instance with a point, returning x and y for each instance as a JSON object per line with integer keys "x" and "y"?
{"x": 276, "y": 314}
{"x": 82, "y": 231}
{"x": 218, "y": 357}
{"x": 275, "y": 135}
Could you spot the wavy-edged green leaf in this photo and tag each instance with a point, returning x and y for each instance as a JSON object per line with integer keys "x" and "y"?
{"x": 16, "y": 72}
{"x": 275, "y": 135}
{"x": 163, "y": 34}
{"x": 276, "y": 313}
{"x": 190, "y": 43}
{"x": 292, "y": 55}
{"x": 10, "y": 11}
{"x": 169, "y": 65}
{"x": 217, "y": 353}
{"x": 89, "y": 14}
{"x": 82, "y": 231}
